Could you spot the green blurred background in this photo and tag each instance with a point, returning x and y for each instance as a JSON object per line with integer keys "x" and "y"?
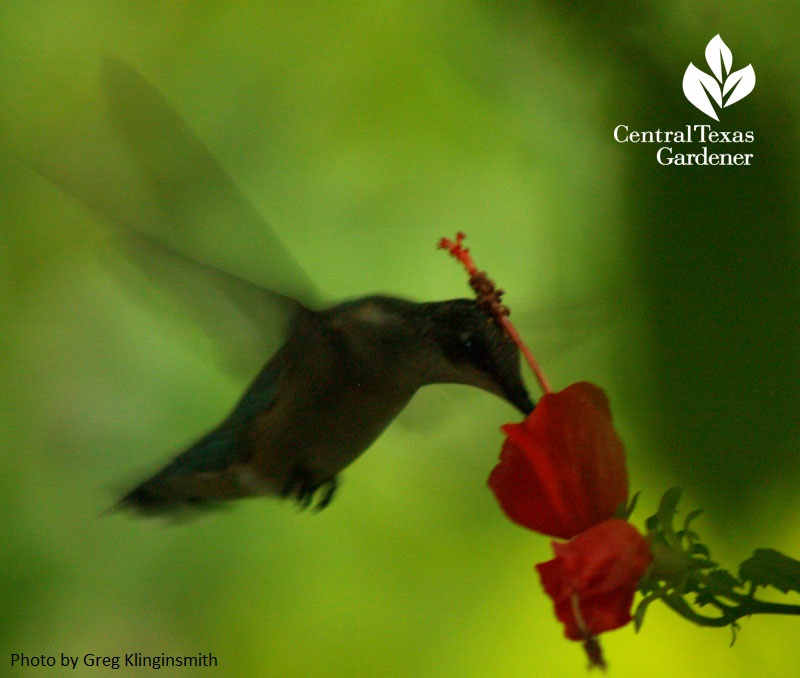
{"x": 364, "y": 131}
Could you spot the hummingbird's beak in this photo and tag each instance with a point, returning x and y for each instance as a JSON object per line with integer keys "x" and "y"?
{"x": 508, "y": 385}
{"x": 521, "y": 400}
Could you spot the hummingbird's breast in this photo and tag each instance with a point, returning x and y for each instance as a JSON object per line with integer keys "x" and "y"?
{"x": 334, "y": 398}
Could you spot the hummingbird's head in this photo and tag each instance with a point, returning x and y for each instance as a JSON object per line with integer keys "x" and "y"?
{"x": 414, "y": 344}
{"x": 475, "y": 350}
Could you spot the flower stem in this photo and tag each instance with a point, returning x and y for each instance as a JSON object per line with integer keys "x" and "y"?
{"x": 729, "y": 614}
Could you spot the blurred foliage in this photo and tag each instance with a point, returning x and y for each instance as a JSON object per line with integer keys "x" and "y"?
{"x": 364, "y": 132}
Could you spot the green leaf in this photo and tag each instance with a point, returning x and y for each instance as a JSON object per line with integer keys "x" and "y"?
{"x": 698, "y": 549}
{"x": 662, "y": 520}
{"x": 687, "y": 535}
{"x": 734, "y": 631}
{"x": 701, "y": 563}
{"x": 722, "y": 582}
{"x": 768, "y": 567}
{"x": 669, "y": 504}
{"x": 692, "y": 515}
{"x": 641, "y": 608}
{"x": 702, "y": 598}
{"x": 631, "y": 505}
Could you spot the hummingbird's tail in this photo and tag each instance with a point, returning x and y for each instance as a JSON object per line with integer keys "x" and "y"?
{"x": 201, "y": 477}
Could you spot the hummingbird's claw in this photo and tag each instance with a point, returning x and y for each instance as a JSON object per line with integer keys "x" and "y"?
{"x": 302, "y": 483}
{"x": 327, "y": 496}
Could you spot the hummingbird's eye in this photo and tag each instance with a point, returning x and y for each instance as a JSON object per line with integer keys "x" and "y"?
{"x": 470, "y": 347}
{"x": 464, "y": 336}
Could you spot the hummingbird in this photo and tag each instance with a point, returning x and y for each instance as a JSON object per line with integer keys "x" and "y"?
{"x": 338, "y": 381}
{"x": 341, "y": 374}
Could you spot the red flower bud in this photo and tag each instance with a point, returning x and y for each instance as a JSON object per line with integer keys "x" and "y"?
{"x": 562, "y": 470}
{"x": 594, "y": 576}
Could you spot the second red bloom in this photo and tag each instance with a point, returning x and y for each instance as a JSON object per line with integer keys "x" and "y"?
{"x": 593, "y": 578}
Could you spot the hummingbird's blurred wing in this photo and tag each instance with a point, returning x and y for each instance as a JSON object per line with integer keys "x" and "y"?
{"x": 198, "y": 205}
{"x": 245, "y": 321}
{"x": 176, "y": 210}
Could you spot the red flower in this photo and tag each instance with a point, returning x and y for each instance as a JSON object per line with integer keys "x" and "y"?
{"x": 593, "y": 578}
{"x": 562, "y": 470}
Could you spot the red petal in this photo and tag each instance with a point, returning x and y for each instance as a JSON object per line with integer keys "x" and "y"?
{"x": 562, "y": 470}
{"x": 598, "y": 571}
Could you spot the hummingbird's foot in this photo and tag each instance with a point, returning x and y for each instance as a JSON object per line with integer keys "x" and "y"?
{"x": 327, "y": 496}
{"x": 302, "y": 483}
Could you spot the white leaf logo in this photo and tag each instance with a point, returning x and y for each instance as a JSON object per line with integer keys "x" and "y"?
{"x": 718, "y": 56}
{"x": 723, "y": 88}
